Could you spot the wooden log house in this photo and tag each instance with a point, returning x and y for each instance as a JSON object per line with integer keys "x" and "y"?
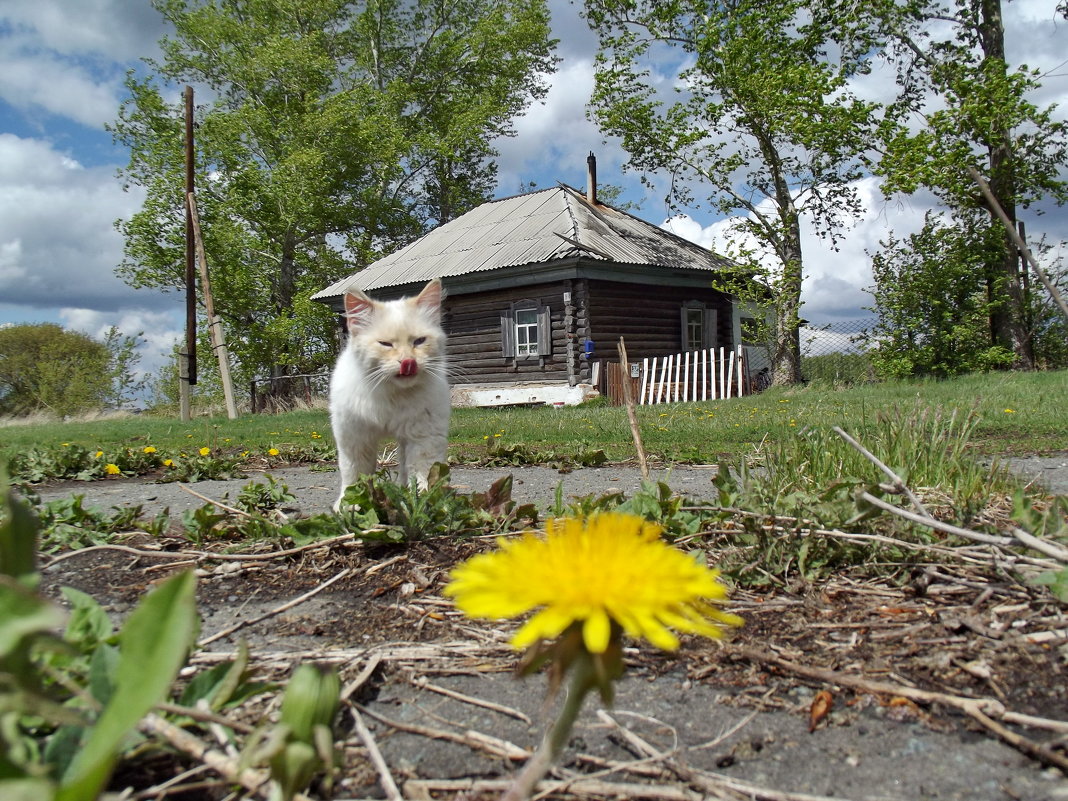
{"x": 541, "y": 286}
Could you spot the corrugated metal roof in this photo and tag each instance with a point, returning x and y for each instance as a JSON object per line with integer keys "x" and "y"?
{"x": 539, "y": 227}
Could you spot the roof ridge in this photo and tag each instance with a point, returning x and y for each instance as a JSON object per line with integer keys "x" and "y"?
{"x": 571, "y": 215}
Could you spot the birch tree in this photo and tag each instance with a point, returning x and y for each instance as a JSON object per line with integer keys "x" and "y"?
{"x": 961, "y": 105}
{"x": 745, "y": 107}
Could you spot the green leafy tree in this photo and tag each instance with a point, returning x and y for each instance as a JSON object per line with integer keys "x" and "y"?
{"x": 930, "y": 295}
{"x": 332, "y": 132}
{"x": 963, "y": 105}
{"x": 1046, "y": 322}
{"x": 44, "y": 367}
{"x": 757, "y": 112}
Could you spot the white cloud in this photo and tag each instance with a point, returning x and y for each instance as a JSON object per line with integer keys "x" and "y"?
{"x": 71, "y": 63}
{"x": 157, "y": 331}
{"x": 57, "y": 231}
{"x": 33, "y": 81}
{"x": 553, "y": 137}
{"x": 10, "y": 259}
{"x": 836, "y": 280}
{"x": 119, "y": 30}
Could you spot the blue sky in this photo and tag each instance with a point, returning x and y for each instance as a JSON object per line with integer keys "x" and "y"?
{"x": 62, "y": 64}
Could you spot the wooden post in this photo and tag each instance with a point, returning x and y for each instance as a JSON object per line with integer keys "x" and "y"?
{"x": 1017, "y": 240}
{"x": 632, "y": 415}
{"x": 218, "y": 339}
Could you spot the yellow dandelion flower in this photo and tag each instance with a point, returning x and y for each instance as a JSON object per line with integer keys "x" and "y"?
{"x": 112, "y": 469}
{"x": 99, "y": 454}
{"x": 168, "y": 462}
{"x": 205, "y": 451}
{"x": 148, "y": 449}
{"x": 1010, "y": 411}
{"x": 608, "y": 568}
{"x": 272, "y": 451}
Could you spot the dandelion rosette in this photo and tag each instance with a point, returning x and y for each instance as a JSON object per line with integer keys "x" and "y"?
{"x": 608, "y": 569}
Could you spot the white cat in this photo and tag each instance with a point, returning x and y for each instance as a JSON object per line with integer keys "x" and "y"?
{"x": 390, "y": 382}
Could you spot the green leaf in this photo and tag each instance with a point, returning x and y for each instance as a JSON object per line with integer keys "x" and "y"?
{"x": 18, "y": 537}
{"x": 62, "y": 747}
{"x": 1057, "y": 581}
{"x": 27, "y": 790}
{"x": 102, "y": 668}
{"x": 23, "y": 613}
{"x": 153, "y": 646}
{"x": 89, "y": 624}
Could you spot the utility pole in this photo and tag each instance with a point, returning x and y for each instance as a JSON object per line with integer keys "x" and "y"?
{"x": 187, "y": 363}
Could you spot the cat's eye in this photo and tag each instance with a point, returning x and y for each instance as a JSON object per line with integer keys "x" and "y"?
{"x": 419, "y": 341}
{"x": 385, "y": 344}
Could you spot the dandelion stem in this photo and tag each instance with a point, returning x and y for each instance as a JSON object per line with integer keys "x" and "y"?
{"x": 552, "y": 744}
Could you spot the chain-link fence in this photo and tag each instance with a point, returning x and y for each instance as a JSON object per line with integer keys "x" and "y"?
{"x": 282, "y": 393}
{"x": 837, "y": 352}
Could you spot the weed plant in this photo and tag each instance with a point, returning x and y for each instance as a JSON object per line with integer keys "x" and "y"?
{"x": 1016, "y": 413}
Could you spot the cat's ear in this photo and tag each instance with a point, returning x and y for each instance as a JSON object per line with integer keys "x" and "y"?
{"x": 359, "y": 309}
{"x": 430, "y": 298}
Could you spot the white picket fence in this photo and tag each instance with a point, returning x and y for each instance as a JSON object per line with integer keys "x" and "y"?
{"x": 698, "y": 375}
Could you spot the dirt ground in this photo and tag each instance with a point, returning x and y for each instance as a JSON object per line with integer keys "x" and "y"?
{"x": 903, "y": 666}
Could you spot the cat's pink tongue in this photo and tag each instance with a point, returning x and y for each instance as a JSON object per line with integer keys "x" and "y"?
{"x": 408, "y": 367}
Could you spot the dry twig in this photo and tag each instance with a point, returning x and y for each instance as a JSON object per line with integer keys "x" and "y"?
{"x": 471, "y": 738}
{"x": 983, "y": 710}
{"x": 255, "y": 781}
{"x": 241, "y": 624}
{"x": 899, "y": 485}
{"x": 389, "y": 786}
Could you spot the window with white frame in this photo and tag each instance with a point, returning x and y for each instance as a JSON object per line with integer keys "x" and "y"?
{"x": 695, "y": 328}
{"x": 698, "y": 326}
{"x": 526, "y": 331}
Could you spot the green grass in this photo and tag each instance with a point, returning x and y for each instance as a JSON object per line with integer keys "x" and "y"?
{"x": 707, "y": 432}
{"x": 1018, "y": 413}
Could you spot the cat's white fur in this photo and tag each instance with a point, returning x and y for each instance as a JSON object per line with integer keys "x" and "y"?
{"x": 390, "y": 383}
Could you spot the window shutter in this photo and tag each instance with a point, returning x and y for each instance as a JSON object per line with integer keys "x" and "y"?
{"x": 711, "y": 328}
{"x": 545, "y": 334}
{"x": 508, "y": 333}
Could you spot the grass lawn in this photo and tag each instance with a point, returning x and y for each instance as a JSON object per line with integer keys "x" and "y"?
{"x": 1018, "y": 413}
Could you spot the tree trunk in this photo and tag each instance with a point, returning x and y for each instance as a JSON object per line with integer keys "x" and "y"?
{"x": 1008, "y": 310}
{"x": 283, "y": 389}
{"x": 786, "y": 360}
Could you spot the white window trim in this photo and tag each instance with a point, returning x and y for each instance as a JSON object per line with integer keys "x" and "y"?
{"x": 542, "y": 339}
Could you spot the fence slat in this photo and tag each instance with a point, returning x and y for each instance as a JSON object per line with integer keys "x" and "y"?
{"x": 685, "y": 378}
{"x": 741, "y": 371}
{"x": 696, "y": 375}
{"x": 692, "y": 376}
{"x": 730, "y": 375}
{"x": 722, "y": 376}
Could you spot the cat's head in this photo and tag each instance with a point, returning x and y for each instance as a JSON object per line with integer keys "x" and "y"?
{"x": 398, "y": 340}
